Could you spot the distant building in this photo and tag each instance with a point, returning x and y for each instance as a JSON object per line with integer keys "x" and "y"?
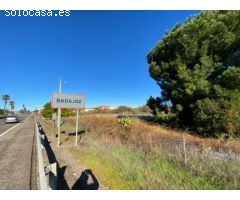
{"x": 113, "y": 107}
{"x": 39, "y": 110}
{"x": 102, "y": 108}
{"x": 88, "y": 109}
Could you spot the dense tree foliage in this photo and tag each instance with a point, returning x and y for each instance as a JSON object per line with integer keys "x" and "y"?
{"x": 197, "y": 66}
{"x": 47, "y": 111}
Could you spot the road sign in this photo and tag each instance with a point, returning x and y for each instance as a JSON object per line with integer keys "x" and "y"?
{"x": 70, "y": 101}
{"x": 54, "y": 117}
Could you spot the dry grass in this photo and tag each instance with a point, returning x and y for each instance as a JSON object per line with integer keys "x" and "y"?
{"x": 216, "y": 159}
{"x": 153, "y": 136}
{"x": 211, "y": 163}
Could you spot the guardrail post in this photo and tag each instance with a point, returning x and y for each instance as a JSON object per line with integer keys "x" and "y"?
{"x": 42, "y": 141}
{"x": 53, "y": 177}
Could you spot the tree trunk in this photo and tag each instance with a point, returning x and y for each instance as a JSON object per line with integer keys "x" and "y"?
{"x": 5, "y": 108}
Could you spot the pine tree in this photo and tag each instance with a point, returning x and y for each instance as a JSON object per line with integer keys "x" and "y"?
{"x": 197, "y": 66}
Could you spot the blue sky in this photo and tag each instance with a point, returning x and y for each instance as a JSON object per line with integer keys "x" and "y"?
{"x": 99, "y": 53}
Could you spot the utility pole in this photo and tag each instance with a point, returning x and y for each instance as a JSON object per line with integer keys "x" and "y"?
{"x": 59, "y": 115}
{"x": 77, "y": 127}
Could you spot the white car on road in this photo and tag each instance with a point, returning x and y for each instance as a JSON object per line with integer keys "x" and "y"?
{"x": 11, "y": 119}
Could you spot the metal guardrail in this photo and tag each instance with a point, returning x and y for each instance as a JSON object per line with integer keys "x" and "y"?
{"x": 41, "y": 171}
{"x": 47, "y": 174}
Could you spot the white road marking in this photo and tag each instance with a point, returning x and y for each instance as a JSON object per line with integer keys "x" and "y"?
{"x": 15, "y": 126}
{"x": 9, "y": 130}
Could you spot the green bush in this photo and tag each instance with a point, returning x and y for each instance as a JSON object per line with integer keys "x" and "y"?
{"x": 48, "y": 111}
{"x": 125, "y": 122}
{"x": 166, "y": 118}
{"x": 68, "y": 113}
{"x": 215, "y": 118}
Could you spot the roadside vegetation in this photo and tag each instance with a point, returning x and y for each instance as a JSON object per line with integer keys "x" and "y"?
{"x": 197, "y": 66}
{"x": 48, "y": 111}
{"x": 127, "y": 153}
{"x": 125, "y": 110}
{"x": 1, "y": 112}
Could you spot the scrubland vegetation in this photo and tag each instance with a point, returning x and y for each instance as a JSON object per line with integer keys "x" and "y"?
{"x": 131, "y": 154}
{"x": 48, "y": 111}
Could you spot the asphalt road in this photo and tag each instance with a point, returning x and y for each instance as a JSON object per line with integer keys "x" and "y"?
{"x": 16, "y": 154}
{"x": 4, "y": 127}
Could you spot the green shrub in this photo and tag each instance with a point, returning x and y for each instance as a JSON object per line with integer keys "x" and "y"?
{"x": 166, "y": 118}
{"x": 125, "y": 122}
{"x": 48, "y": 111}
{"x": 215, "y": 118}
{"x": 68, "y": 113}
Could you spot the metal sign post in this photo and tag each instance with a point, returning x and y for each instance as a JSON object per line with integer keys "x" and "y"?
{"x": 53, "y": 131}
{"x": 54, "y": 119}
{"x": 59, "y": 125}
{"x": 59, "y": 115}
{"x": 67, "y": 101}
{"x": 76, "y": 128}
